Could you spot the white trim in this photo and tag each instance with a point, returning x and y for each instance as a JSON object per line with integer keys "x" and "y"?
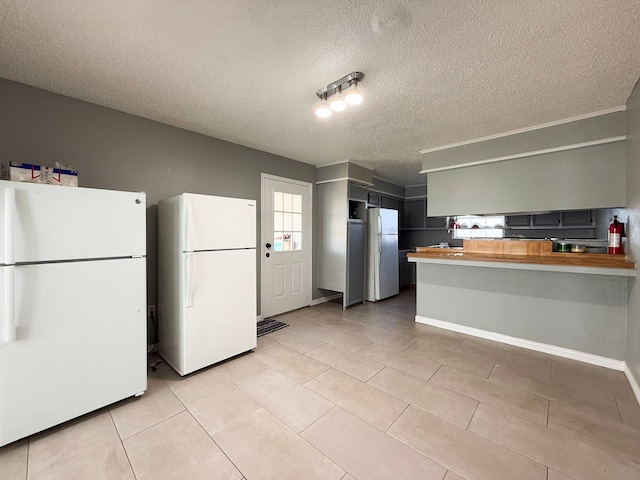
{"x": 368, "y": 184}
{"x": 258, "y": 318}
{"x": 332, "y": 163}
{"x": 345, "y": 161}
{"x": 527, "y": 129}
{"x": 387, "y": 181}
{"x": 533, "y": 153}
{"x": 632, "y": 382}
{"x": 330, "y": 298}
{"x": 385, "y": 193}
{"x": 529, "y": 344}
{"x": 456, "y": 261}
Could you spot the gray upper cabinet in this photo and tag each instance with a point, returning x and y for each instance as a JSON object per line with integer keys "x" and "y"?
{"x": 414, "y": 213}
{"x": 357, "y": 192}
{"x": 415, "y": 216}
{"x": 578, "y": 219}
{"x": 551, "y": 220}
{"x": 373, "y": 199}
{"x": 515, "y": 221}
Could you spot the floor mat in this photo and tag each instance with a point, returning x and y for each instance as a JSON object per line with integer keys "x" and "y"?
{"x": 269, "y": 325}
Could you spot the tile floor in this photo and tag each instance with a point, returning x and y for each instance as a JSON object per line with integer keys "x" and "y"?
{"x": 362, "y": 394}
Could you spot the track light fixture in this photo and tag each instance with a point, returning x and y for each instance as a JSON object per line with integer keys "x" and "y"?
{"x": 347, "y": 84}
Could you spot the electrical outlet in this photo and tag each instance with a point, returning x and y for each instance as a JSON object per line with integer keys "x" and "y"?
{"x": 151, "y": 310}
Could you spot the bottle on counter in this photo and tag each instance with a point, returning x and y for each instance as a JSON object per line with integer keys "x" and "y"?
{"x": 616, "y": 231}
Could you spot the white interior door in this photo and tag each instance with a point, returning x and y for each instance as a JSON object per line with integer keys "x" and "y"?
{"x": 286, "y": 245}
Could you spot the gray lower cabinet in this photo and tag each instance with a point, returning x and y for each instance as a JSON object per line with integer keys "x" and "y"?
{"x": 341, "y": 241}
{"x": 356, "y": 252}
{"x": 404, "y": 272}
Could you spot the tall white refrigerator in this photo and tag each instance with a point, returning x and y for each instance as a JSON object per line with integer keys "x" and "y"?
{"x": 382, "y": 258}
{"x": 72, "y": 303}
{"x": 206, "y": 279}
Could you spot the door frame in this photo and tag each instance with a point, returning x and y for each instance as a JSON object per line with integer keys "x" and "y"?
{"x": 261, "y": 247}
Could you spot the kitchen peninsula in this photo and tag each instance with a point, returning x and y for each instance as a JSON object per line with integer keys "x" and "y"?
{"x": 522, "y": 293}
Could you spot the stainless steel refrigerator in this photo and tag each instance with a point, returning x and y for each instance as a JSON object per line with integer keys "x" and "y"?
{"x": 382, "y": 256}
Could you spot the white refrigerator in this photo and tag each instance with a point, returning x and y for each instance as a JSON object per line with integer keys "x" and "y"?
{"x": 206, "y": 279}
{"x": 72, "y": 303}
{"x": 382, "y": 257}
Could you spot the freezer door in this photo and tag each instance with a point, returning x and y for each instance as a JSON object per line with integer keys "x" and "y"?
{"x": 51, "y": 223}
{"x": 219, "y": 307}
{"x": 215, "y": 223}
{"x": 387, "y": 283}
{"x": 388, "y": 221}
{"x": 80, "y": 342}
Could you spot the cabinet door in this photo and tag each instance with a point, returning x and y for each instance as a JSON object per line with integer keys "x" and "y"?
{"x": 374, "y": 199}
{"x": 436, "y": 222}
{"x": 518, "y": 221}
{"x": 404, "y": 273}
{"x": 356, "y": 242}
{"x": 577, "y": 218}
{"x": 357, "y": 192}
{"x": 385, "y": 202}
{"x": 546, "y": 220}
{"x": 414, "y": 213}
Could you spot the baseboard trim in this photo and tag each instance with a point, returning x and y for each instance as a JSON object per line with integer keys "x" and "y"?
{"x": 258, "y": 318}
{"x": 529, "y": 344}
{"x": 635, "y": 387}
{"x": 330, "y": 298}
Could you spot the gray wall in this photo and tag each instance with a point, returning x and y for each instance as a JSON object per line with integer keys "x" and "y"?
{"x": 579, "y": 179}
{"x": 633, "y": 229}
{"x": 115, "y": 150}
{"x": 570, "y": 133}
{"x": 582, "y": 312}
{"x": 576, "y": 177}
{"x": 380, "y": 185}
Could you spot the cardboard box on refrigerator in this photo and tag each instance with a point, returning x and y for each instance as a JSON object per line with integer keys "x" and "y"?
{"x": 27, "y": 172}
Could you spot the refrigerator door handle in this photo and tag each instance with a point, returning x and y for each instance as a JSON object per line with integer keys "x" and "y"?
{"x": 379, "y": 237}
{"x": 9, "y": 254}
{"x": 188, "y": 279}
{"x": 9, "y": 295}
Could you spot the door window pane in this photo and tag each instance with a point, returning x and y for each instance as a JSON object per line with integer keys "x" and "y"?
{"x": 287, "y": 222}
{"x": 278, "y": 222}
{"x": 288, "y": 202}
{"x": 277, "y": 201}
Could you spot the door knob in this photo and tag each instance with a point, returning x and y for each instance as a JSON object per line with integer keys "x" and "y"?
{"x": 268, "y": 254}
{"x": 268, "y": 245}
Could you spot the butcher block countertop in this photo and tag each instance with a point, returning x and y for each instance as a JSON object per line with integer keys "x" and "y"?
{"x": 524, "y": 252}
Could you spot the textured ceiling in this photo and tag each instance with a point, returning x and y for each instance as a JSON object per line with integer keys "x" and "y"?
{"x": 437, "y": 72}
